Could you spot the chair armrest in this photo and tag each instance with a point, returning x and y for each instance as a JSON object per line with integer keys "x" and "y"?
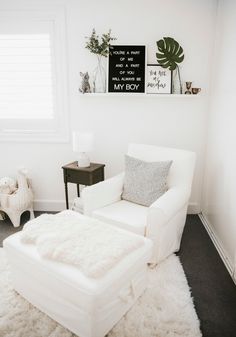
{"x": 172, "y": 201}
{"x": 102, "y": 194}
{"x": 165, "y": 222}
{"x": 165, "y": 208}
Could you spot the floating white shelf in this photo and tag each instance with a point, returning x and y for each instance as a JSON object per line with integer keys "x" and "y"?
{"x": 106, "y": 94}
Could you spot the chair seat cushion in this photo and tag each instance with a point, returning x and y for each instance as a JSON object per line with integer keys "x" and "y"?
{"x": 124, "y": 214}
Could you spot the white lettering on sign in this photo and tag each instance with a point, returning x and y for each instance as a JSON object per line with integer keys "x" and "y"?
{"x": 132, "y": 87}
{"x": 127, "y": 79}
{"x": 118, "y": 86}
{"x": 119, "y": 52}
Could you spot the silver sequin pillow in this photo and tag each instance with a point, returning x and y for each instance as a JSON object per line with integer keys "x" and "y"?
{"x": 144, "y": 182}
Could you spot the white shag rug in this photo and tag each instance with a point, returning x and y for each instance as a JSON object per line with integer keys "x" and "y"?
{"x": 164, "y": 310}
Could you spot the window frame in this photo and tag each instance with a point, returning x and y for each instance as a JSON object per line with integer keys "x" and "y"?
{"x": 42, "y": 130}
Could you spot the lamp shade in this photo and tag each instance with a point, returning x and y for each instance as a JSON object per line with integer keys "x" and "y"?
{"x": 82, "y": 142}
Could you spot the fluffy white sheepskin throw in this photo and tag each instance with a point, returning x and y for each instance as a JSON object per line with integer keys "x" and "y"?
{"x": 91, "y": 245}
{"x": 164, "y": 310}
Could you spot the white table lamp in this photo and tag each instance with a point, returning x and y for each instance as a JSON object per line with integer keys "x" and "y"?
{"x": 82, "y": 143}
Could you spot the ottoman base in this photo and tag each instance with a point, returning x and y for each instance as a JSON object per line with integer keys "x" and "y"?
{"x": 87, "y": 307}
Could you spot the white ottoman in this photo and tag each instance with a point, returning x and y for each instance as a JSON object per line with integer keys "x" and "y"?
{"x": 88, "y": 307}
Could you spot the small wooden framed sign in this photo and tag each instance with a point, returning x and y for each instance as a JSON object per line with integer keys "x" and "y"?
{"x": 159, "y": 80}
{"x": 126, "y": 69}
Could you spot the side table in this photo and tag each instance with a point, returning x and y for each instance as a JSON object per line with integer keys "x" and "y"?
{"x": 82, "y": 175}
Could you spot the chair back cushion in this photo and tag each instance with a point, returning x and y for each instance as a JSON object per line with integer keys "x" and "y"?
{"x": 181, "y": 170}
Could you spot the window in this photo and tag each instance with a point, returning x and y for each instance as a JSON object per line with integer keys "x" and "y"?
{"x": 32, "y": 77}
{"x": 26, "y": 86}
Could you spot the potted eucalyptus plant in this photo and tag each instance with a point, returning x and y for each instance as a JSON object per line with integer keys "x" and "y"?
{"x": 170, "y": 55}
{"x": 100, "y": 47}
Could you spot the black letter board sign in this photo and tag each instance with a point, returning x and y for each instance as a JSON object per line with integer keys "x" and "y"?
{"x": 126, "y": 69}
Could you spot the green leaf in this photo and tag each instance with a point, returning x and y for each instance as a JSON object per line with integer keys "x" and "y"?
{"x": 160, "y": 44}
{"x": 160, "y": 56}
{"x": 97, "y": 45}
{"x": 170, "y": 53}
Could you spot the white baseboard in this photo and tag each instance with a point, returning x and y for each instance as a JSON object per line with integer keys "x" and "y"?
{"x": 219, "y": 247}
{"x": 194, "y": 208}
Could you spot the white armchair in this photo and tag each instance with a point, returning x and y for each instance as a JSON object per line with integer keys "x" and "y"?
{"x": 163, "y": 222}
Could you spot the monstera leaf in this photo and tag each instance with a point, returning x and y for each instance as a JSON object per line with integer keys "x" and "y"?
{"x": 170, "y": 53}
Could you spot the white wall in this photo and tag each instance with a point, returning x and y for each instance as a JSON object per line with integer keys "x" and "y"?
{"x": 116, "y": 121}
{"x": 219, "y": 194}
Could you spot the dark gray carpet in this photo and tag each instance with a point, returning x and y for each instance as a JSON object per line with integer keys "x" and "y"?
{"x": 6, "y": 227}
{"x": 213, "y": 290}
